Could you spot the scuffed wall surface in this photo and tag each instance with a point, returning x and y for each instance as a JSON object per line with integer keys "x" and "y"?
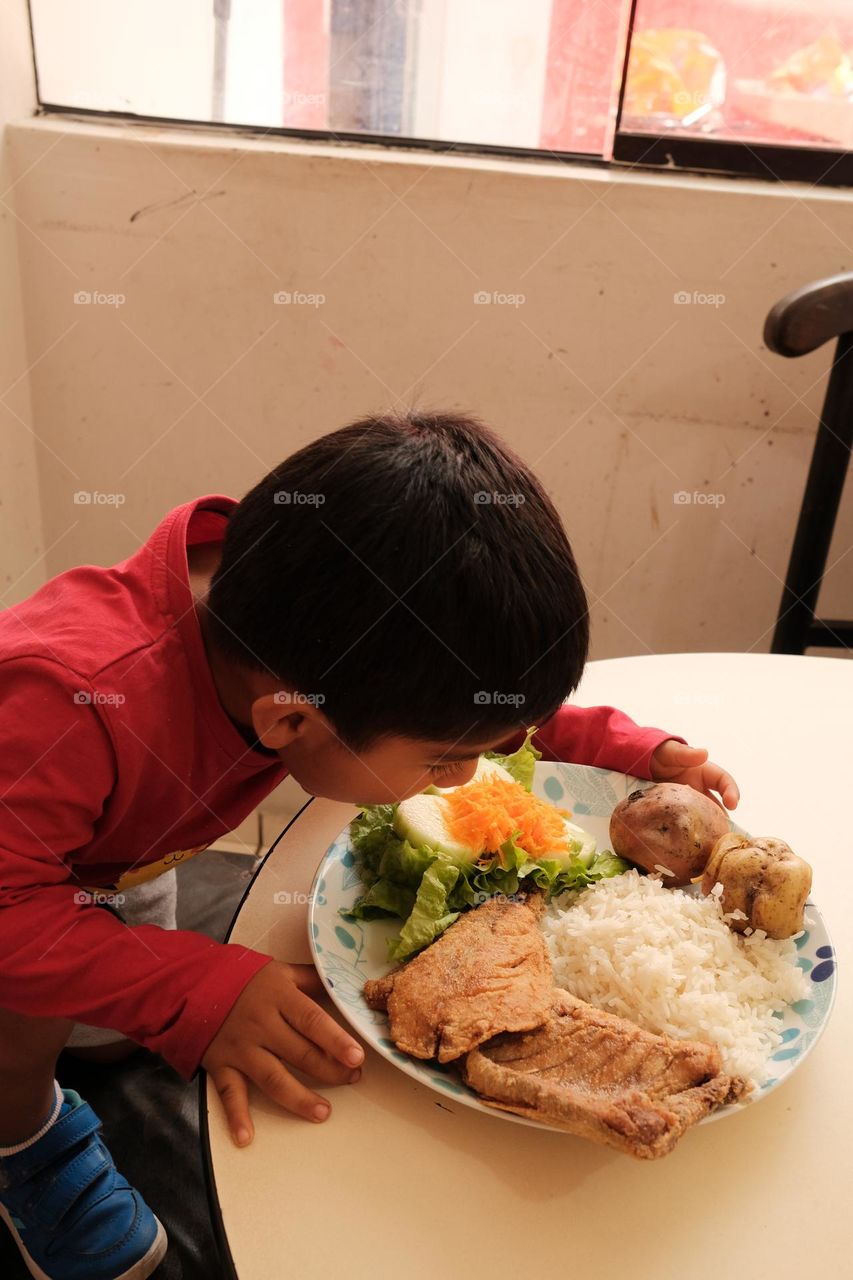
{"x": 187, "y": 376}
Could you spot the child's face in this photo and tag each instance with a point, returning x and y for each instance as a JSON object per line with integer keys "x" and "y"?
{"x": 386, "y": 772}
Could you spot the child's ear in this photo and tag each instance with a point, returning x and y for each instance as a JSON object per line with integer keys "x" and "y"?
{"x": 282, "y": 717}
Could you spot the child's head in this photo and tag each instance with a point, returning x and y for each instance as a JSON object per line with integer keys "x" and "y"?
{"x": 409, "y": 582}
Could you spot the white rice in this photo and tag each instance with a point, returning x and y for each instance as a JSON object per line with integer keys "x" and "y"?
{"x": 669, "y": 962}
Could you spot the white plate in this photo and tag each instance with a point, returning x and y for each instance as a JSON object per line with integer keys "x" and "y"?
{"x": 348, "y": 952}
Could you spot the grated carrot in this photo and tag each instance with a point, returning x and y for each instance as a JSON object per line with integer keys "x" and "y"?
{"x": 484, "y": 814}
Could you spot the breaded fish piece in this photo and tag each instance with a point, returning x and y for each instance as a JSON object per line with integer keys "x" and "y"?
{"x": 489, "y": 972}
{"x": 601, "y": 1077}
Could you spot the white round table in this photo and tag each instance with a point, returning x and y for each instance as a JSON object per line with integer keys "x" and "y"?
{"x": 401, "y": 1183}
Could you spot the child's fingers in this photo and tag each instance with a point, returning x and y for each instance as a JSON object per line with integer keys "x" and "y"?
{"x": 273, "y": 1079}
{"x": 234, "y": 1095}
{"x": 723, "y": 783}
{"x": 300, "y": 1053}
{"x": 730, "y": 793}
{"x": 315, "y": 1025}
{"x": 672, "y": 757}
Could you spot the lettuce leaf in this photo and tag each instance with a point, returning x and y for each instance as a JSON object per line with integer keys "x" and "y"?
{"x": 369, "y": 836}
{"x": 607, "y": 864}
{"x": 521, "y": 762}
{"x": 384, "y": 898}
{"x": 405, "y": 864}
{"x": 430, "y": 915}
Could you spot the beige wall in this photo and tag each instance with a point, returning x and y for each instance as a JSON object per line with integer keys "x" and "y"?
{"x": 617, "y": 395}
{"x": 22, "y": 567}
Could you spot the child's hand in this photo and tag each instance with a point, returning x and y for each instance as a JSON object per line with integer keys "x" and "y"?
{"x": 676, "y": 762}
{"x": 274, "y": 1022}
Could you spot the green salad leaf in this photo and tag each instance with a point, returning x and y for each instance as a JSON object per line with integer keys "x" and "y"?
{"x": 430, "y": 915}
{"x": 520, "y": 763}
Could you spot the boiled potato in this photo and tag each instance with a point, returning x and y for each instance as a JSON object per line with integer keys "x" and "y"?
{"x": 668, "y": 825}
{"x": 763, "y": 878}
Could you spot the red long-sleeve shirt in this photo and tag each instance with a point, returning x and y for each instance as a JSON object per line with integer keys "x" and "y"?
{"x": 116, "y": 760}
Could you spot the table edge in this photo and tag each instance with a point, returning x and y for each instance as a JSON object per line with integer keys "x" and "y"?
{"x": 214, "y": 1207}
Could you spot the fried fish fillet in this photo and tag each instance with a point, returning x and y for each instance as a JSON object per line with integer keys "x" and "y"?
{"x": 602, "y": 1077}
{"x": 489, "y": 972}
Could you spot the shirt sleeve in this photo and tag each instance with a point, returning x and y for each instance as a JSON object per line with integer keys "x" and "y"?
{"x": 60, "y": 955}
{"x": 601, "y": 736}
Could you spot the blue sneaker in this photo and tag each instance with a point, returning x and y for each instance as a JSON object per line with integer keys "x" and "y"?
{"x": 73, "y": 1216}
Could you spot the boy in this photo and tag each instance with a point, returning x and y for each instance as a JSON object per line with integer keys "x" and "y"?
{"x": 340, "y": 624}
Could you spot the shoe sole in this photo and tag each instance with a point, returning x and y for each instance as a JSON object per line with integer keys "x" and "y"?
{"x": 138, "y": 1271}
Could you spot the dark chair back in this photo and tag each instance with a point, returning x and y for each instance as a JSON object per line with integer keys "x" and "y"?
{"x": 798, "y": 324}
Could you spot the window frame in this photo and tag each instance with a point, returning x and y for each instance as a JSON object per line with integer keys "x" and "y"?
{"x": 662, "y": 154}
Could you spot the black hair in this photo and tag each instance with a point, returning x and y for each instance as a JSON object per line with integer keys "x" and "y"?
{"x": 409, "y": 573}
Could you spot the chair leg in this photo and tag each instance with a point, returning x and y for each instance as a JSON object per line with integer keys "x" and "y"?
{"x": 821, "y": 500}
